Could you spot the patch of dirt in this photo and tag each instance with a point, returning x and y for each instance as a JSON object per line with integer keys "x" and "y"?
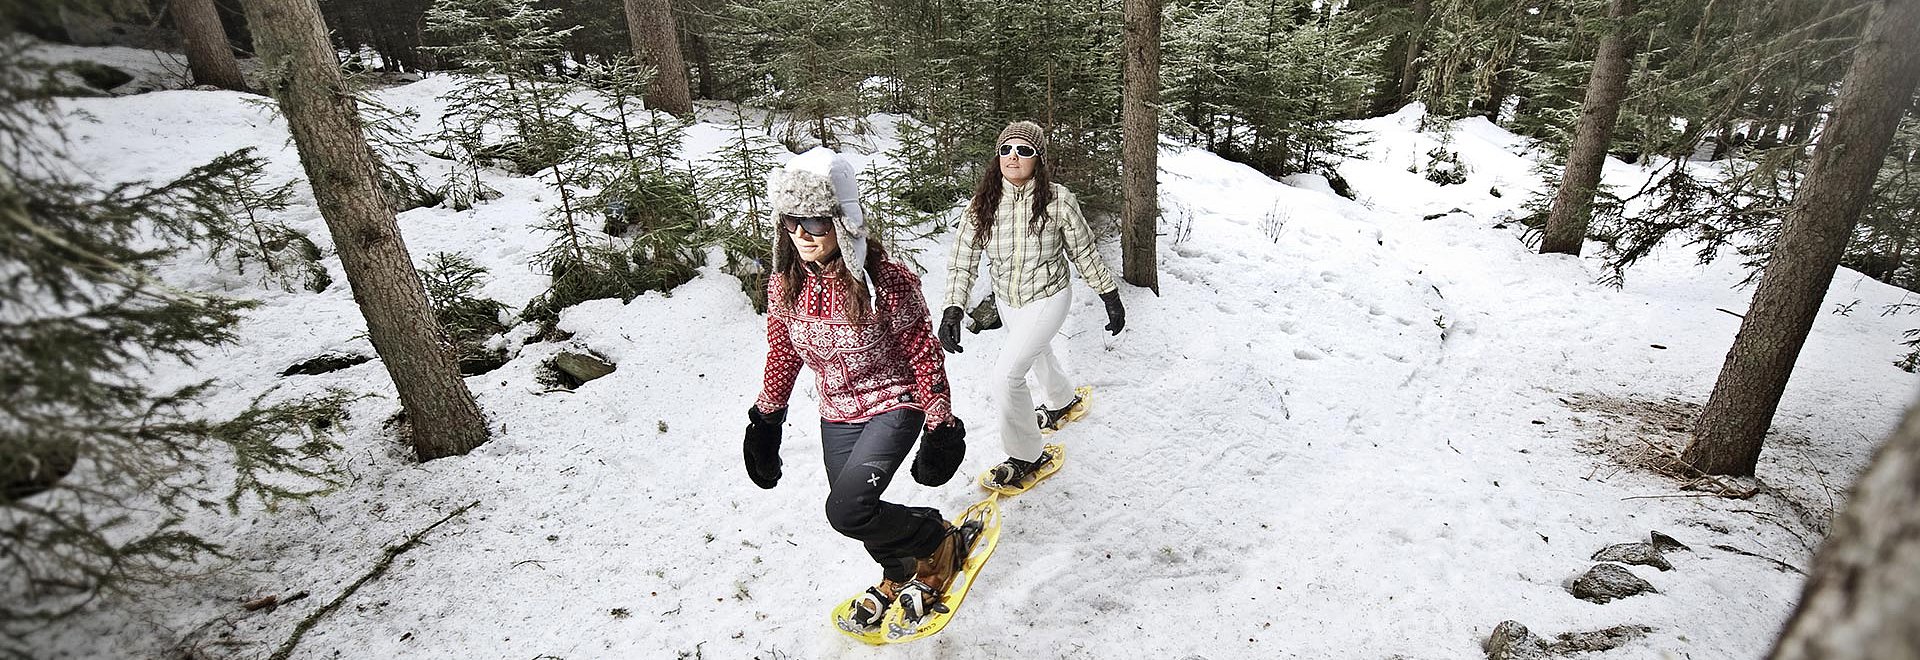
{"x": 1645, "y": 436}
{"x": 1648, "y": 437}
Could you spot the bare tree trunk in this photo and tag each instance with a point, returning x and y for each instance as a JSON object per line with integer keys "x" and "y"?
{"x": 1878, "y": 85}
{"x": 1410, "y": 71}
{"x": 1140, "y": 145}
{"x": 1573, "y": 204}
{"x": 1863, "y": 597}
{"x": 327, "y": 132}
{"x": 702, "y": 60}
{"x": 208, "y": 53}
{"x": 1499, "y": 91}
{"x": 657, "y": 43}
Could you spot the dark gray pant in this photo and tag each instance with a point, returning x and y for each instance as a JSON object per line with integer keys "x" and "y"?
{"x": 861, "y": 460}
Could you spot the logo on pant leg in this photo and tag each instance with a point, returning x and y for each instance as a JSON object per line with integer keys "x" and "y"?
{"x": 880, "y": 469}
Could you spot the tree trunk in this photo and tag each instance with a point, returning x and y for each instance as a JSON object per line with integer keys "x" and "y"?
{"x": 208, "y": 53}
{"x": 1863, "y": 597}
{"x": 333, "y": 149}
{"x": 1140, "y": 144}
{"x": 1497, "y": 95}
{"x": 657, "y": 43}
{"x": 1410, "y": 70}
{"x": 1878, "y": 84}
{"x": 705, "y": 62}
{"x": 1573, "y": 204}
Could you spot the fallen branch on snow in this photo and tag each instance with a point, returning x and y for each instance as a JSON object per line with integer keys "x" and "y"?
{"x": 393, "y": 551}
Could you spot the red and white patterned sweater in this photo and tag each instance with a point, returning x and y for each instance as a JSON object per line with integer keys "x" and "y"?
{"x": 862, "y": 370}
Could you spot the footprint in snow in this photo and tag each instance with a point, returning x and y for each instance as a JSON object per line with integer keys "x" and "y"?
{"x": 1307, "y": 354}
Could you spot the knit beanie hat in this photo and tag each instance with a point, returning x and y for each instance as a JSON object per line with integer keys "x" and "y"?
{"x": 821, "y": 183}
{"x": 1024, "y": 130}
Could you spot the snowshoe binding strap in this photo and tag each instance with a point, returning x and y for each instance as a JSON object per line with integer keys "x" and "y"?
{"x": 918, "y": 601}
{"x": 1050, "y": 419}
{"x": 870, "y": 608}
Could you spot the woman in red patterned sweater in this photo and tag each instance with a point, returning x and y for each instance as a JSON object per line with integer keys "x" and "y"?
{"x": 867, "y": 337}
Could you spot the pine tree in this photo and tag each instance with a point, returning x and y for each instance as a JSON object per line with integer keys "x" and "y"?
{"x": 1567, "y": 222}
{"x": 341, "y": 167}
{"x": 517, "y": 83}
{"x": 1141, "y": 218}
{"x": 1886, "y": 244}
{"x": 1880, "y": 82}
{"x": 471, "y": 322}
{"x": 1265, "y": 83}
{"x": 237, "y": 226}
{"x": 736, "y": 193}
{"x": 809, "y": 62}
{"x": 208, "y": 52}
{"x": 98, "y": 465}
{"x": 622, "y": 173}
{"x": 656, "y": 42}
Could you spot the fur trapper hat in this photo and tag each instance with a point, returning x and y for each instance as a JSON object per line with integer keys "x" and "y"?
{"x": 822, "y": 183}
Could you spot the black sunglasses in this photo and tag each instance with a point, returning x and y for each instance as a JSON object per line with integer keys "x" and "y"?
{"x": 814, "y": 225}
{"x": 1024, "y": 150}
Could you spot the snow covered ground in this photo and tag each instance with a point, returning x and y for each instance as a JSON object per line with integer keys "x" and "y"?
{"x": 1341, "y": 430}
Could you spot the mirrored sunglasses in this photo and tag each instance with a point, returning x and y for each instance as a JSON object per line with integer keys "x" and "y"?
{"x": 814, "y": 225}
{"x": 1024, "y": 151}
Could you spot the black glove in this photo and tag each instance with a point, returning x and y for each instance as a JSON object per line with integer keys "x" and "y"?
{"x": 941, "y": 449}
{"x": 762, "y": 447}
{"x": 950, "y": 330}
{"x": 1116, "y": 315}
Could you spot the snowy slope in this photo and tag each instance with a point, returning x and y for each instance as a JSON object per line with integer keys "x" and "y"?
{"x": 1339, "y": 432}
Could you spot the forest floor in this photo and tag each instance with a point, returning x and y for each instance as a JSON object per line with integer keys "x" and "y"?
{"x": 1343, "y": 429}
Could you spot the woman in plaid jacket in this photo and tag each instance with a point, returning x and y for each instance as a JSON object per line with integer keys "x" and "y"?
{"x": 1029, "y": 228}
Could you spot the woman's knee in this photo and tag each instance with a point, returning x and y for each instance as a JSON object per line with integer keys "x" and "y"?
{"x": 850, "y": 515}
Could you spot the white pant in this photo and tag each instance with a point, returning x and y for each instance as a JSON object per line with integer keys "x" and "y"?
{"x": 1029, "y": 347}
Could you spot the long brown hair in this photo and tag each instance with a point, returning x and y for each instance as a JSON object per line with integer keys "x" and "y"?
{"x": 986, "y": 198}
{"x": 792, "y": 269}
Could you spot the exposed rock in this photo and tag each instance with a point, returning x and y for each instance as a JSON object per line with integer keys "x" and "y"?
{"x": 582, "y": 366}
{"x": 482, "y": 362}
{"x": 1666, "y": 543}
{"x": 1512, "y": 641}
{"x": 1642, "y": 554}
{"x": 1607, "y": 582}
{"x": 326, "y": 364}
{"x": 1598, "y": 640}
{"x": 96, "y": 75}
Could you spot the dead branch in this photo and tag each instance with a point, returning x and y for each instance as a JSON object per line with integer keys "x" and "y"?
{"x": 393, "y": 551}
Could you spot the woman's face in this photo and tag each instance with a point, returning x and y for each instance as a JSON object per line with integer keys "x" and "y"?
{"x": 813, "y": 249}
{"x": 1014, "y": 167}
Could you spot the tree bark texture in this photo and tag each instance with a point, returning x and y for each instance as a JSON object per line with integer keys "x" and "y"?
{"x": 209, "y": 56}
{"x": 1140, "y": 145}
{"x": 1862, "y": 600}
{"x": 1573, "y": 203}
{"x": 333, "y": 148}
{"x": 1879, "y": 82}
{"x": 656, "y": 42}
